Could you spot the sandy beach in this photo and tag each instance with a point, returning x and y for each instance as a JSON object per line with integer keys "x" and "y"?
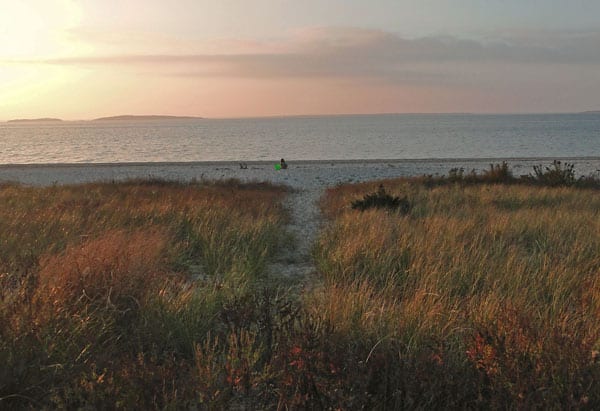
{"x": 299, "y": 175}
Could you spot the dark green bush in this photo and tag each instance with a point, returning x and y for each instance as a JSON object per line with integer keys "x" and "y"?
{"x": 558, "y": 174}
{"x": 555, "y": 175}
{"x": 381, "y": 199}
{"x": 498, "y": 173}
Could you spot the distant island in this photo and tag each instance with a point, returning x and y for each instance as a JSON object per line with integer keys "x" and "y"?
{"x": 591, "y": 112}
{"x": 130, "y": 117}
{"x": 35, "y": 120}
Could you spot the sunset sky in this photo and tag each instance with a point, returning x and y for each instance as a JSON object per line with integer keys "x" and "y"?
{"x": 237, "y": 58}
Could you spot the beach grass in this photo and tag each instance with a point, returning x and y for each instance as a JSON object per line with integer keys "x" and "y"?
{"x": 470, "y": 292}
{"x": 482, "y": 296}
{"x": 108, "y": 290}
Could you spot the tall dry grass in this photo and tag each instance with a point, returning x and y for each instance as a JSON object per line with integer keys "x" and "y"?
{"x": 495, "y": 286}
{"x": 107, "y": 289}
{"x": 154, "y": 295}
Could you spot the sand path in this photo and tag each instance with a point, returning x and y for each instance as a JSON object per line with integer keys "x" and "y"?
{"x": 294, "y": 264}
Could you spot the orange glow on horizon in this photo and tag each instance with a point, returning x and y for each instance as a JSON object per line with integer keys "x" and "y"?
{"x": 79, "y": 60}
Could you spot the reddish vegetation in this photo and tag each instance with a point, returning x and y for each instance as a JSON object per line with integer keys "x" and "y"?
{"x": 114, "y": 270}
{"x": 153, "y": 295}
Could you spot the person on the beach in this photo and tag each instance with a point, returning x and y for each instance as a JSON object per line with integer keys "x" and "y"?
{"x": 283, "y": 164}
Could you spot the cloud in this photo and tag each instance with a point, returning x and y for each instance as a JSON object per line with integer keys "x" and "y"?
{"x": 367, "y": 54}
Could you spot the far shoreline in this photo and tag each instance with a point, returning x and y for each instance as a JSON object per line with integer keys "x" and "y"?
{"x": 301, "y": 162}
{"x": 159, "y": 117}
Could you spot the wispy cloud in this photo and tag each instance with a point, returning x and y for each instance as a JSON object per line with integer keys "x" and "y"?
{"x": 368, "y": 54}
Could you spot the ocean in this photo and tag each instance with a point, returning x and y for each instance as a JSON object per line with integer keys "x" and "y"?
{"x": 352, "y": 137}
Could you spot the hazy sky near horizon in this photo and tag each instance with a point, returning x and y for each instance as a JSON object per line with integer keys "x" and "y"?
{"x": 89, "y": 58}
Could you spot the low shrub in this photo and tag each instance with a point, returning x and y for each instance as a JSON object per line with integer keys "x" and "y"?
{"x": 381, "y": 199}
{"x": 498, "y": 173}
{"x": 555, "y": 175}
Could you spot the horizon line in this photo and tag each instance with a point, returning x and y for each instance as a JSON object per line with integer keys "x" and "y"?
{"x": 199, "y": 117}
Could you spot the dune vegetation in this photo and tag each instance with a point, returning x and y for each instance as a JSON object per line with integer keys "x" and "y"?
{"x": 435, "y": 292}
{"x": 110, "y": 294}
{"x": 480, "y": 296}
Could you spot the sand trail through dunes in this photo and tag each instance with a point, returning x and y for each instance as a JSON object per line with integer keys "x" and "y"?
{"x": 294, "y": 264}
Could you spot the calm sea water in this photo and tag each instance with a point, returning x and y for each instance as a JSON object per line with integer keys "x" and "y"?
{"x": 305, "y": 138}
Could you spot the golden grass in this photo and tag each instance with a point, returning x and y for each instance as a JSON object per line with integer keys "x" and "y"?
{"x": 105, "y": 289}
{"x": 36, "y": 221}
{"x": 495, "y": 276}
{"x": 153, "y": 295}
{"x": 107, "y": 270}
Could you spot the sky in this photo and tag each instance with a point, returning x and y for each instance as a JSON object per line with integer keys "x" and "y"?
{"x": 238, "y": 58}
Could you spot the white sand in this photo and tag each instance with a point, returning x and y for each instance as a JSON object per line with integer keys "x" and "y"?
{"x": 301, "y": 174}
{"x": 308, "y": 178}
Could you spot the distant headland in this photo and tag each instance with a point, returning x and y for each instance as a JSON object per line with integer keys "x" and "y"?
{"x": 35, "y": 120}
{"x": 112, "y": 118}
{"x": 152, "y": 117}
